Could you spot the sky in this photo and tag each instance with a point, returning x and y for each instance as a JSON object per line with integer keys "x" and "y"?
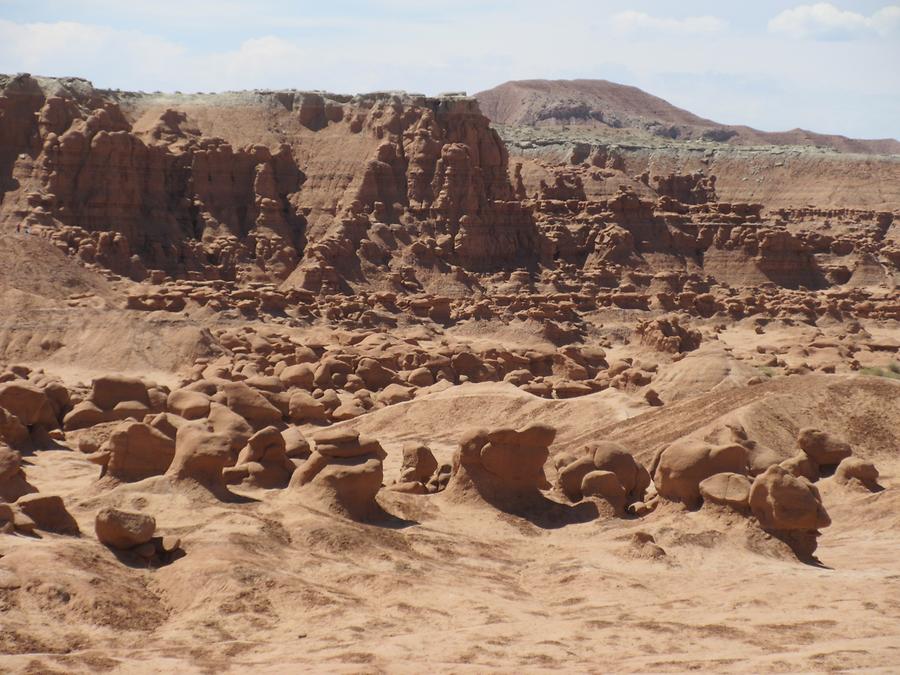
{"x": 771, "y": 64}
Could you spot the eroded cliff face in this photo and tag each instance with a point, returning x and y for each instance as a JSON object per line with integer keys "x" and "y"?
{"x": 186, "y": 200}
{"x": 398, "y": 183}
{"x": 385, "y": 192}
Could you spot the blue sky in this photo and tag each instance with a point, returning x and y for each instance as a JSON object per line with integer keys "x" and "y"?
{"x": 832, "y": 67}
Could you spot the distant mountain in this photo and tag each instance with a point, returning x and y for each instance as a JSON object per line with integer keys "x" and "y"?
{"x": 603, "y": 104}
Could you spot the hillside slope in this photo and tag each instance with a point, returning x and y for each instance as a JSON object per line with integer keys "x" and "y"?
{"x": 599, "y": 103}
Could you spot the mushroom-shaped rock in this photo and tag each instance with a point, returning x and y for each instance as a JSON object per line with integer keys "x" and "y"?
{"x": 135, "y": 451}
{"x": 823, "y": 448}
{"x": 263, "y": 462}
{"x": 416, "y": 471}
{"x": 200, "y": 456}
{"x": 12, "y": 477}
{"x": 114, "y": 397}
{"x": 343, "y": 474}
{"x": 225, "y": 421}
{"x": 343, "y": 443}
{"x": 726, "y": 489}
{"x": 783, "y": 503}
{"x": 605, "y": 485}
{"x": 29, "y": 404}
{"x": 853, "y": 469}
{"x": 683, "y": 465}
{"x": 123, "y": 529}
{"x": 504, "y": 467}
{"x": 48, "y": 512}
{"x": 418, "y": 463}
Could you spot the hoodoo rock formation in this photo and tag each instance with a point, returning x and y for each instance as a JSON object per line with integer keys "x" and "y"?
{"x": 504, "y": 467}
{"x": 323, "y": 377}
{"x": 395, "y": 192}
{"x": 342, "y": 474}
{"x": 789, "y": 506}
{"x": 606, "y": 470}
{"x": 132, "y": 194}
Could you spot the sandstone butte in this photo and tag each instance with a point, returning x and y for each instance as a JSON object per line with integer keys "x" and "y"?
{"x": 304, "y": 381}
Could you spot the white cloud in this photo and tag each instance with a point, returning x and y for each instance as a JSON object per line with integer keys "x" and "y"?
{"x": 131, "y": 59}
{"x": 700, "y": 64}
{"x": 71, "y": 48}
{"x": 824, "y": 21}
{"x": 635, "y": 22}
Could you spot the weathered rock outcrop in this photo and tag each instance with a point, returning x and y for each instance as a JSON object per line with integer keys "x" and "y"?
{"x": 342, "y": 474}
{"x": 418, "y": 470}
{"x": 135, "y": 451}
{"x": 133, "y": 193}
{"x": 584, "y": 474}
{"x": 150, "y": 195}
{"x": 115, "y": 397}
{"x": 825, "y": 449}
{"x": 263, "y": 462}
{"x": 788, "y": 507}
{"x": 13, "y": 483}
{"x": 504, "y": 467}
{"x": 683, "y": 465}
{"x": 200, "y": 456}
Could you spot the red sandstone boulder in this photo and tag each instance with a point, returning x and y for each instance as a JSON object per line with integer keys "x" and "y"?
{"x": 122, "y": 529}
{"x": 790, "y": 508}
{"x": 48, "y": 512}
{"x": 12, "y": 431}
{"x": 188, "y": 404}
{"x": 822, "y": 447}
{"x": 250, "y": 404}
{"x": 110, "y": 390}
{"x": 13, "y": 483}
{"x": 629, "y": 475}
{"x": 135, "y": 451}
{"x": 263, "y": 462}
{"x": 304, "y": 408}
{"x": 726, "y": 489}
{"x": 683, "y": 465}
{"x": 29, "y": 404}
{"x": 853, "y": 470}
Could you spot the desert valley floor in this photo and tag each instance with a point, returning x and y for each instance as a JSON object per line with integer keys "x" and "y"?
{"x": 295, "y": 381}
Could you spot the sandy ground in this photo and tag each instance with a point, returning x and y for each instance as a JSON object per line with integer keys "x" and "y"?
{"x": 270, "y": 584}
